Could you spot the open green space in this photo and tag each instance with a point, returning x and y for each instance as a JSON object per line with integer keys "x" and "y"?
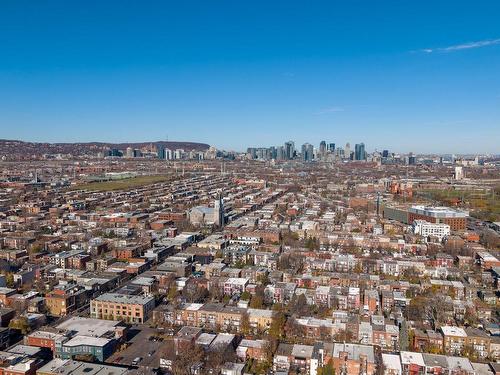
{"x": 123, "y": 184}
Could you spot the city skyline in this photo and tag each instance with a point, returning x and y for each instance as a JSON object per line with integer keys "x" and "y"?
{"x": 298, "y": 147}
{"x": 397, "y": 76}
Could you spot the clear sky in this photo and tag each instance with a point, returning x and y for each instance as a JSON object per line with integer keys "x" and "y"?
{"x": 421, "y": 76}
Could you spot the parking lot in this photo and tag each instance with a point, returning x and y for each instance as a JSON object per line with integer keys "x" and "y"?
{"x": 140, "y": 346}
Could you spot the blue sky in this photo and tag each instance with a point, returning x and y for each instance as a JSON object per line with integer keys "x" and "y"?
{"x": 421, "y": 76}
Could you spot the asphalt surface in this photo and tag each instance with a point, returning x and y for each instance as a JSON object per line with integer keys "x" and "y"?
{"x": 140, "y": 345}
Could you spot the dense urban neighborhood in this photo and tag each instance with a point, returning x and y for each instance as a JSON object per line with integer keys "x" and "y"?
{"x": 273, "y": 261}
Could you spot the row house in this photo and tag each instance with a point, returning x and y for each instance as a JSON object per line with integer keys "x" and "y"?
{"x": 69, "y": 259}
{"x": 128, "y": 252}
{"x": 307, "y": 281}
{"x": 345, "y": 262}
{"x": 237, "y": 254}
{"x": 354, "y": 280}
{"x": 398, "y": 267}
{"x": 347, "y": 298}
{"x": 66, "y": 299}
{"x": 260, "y": 319}
{"x": 316, "y": 328}
{"x": 210, "y": 316}
{"x": 426, "y": 340}
{"x": 423, "y": 363}
{"x": 479, "y": 341}
{"x": 455, "y": 288}
{"x": 264, "y": 259}
{"x": 386, "y": 336}
{"x": 293, "y": 357}
{"x": 442, "y": 260}
{"x": 255, "y": 349}
{"x": 280, "y": 292}
{"x": 371, "y": 301}
{"x": 486, "y": 260}
{"x": 353, "y": 359}
{"x": 323, "y": 296}
{"x": 234, "y": 285}
{"x": 254, "y": 273}
{"x": 454, "y": 339}
{"x": 387, "y": 300}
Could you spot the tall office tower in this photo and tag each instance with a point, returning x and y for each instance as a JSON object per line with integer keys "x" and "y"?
{"x": 219, "y": 216}
{"x": 280, "y": 153}
{"x": 115, "y": 152}
{"x": 310, "y": 152}
{"x": 129, "y": 152}
{"x": 167, "y": 154}
{"x": 289, "y": 150}
{"x": 347, "y": 150}
{"x": 160, "y": 152}
{"x": 385, "y": 153}
{"x": 412, "y": 160}
{"x": 178, "y": 154}
{"x": 322, "y": 148}
{"x": 331, "y": 147}
{"x": 273, "y": 152}
{"x": 268, "y": 154}
{"x": 251, "y": 153}
{"x": 307, "y": 152}
{"x": 359, "y": 151}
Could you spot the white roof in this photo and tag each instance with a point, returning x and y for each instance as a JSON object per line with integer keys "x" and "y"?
{"x": 453, "y": 331}
{"x": 86, "y": 340}
{"x": 237, "y": 280}
{"x": 88, "y": 326}
{"x": 408, "y": 358}
{"x": 392, "y": 362}
{"x": 194, "y": 306}
{"x": 302, "y": 351}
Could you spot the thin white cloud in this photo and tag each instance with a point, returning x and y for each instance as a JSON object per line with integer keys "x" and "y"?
{"x": 463, "y": 46}
{"x": 330, "y": 110}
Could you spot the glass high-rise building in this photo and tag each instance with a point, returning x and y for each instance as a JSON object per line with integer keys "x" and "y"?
{"x": 322, "y": 148}
{"x": 307, "y": 152}
{"x": 289, "y": 150}
{"x": 359, "y": 151}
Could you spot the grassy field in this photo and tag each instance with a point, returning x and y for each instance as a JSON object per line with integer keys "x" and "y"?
{"x": 482, "y": 205}
{"x": 124, "y": 184}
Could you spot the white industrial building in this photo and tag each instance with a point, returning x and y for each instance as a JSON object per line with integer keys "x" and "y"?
{"x": 426, "y": 229}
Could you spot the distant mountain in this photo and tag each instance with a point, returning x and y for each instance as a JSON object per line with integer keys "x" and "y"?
{"x": 21, "y": 149}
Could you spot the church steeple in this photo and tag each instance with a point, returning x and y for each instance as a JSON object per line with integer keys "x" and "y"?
{"x": 219, "y": 216}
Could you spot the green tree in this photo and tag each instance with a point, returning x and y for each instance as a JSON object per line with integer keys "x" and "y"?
{"x": 277, "y": 328}
{"x": 9, "y": 279}
{"x": 20, "y": 323}
{"x": 245, "y": 324}
{"x": 172, "y": 293}
{"x": 328, "y": 369}
{"x": 245, "y": 296}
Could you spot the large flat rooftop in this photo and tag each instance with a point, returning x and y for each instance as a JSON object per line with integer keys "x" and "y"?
{"x": 438, "y": 212}
{"x": 88, "y": 326}
{"x": 124, "y": 298}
